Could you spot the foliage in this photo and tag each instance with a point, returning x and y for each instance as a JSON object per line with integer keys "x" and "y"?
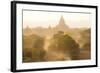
{"x": 33, "y": 48}
{"x": 64, "y": 43}
{"x": 85, "y": 37}
{"x": 85, "y": 52}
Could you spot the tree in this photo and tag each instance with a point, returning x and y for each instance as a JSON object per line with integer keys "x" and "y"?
{"x": 33, "y": 48}
{"x": 85, "y": 40}
{"x": 38, "y": 51}
{"x": 65, "y": 44}
{"x": 85, "y": 37}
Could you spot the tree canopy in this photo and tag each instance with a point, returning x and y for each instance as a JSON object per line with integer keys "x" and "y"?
{"x": 33, "y": 48}
{"x": 64, "y": 43}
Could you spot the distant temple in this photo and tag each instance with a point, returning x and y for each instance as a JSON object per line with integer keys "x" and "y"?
{"x": 61, "y": 26}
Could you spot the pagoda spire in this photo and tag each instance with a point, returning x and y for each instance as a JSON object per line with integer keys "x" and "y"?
{"x": 49, "y": 27}
{"x": 62, "y": 23}
{"x": 27, "y": 27}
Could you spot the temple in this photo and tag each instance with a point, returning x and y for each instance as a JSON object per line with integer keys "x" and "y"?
{"x": 61, "y": 26}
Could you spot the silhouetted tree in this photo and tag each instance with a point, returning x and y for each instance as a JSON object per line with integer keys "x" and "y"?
{"x": 85, "y": 37}
{"x": 64, "y": 43}
{"x": 85, "y": 52}
{"x": 33, "y": 48}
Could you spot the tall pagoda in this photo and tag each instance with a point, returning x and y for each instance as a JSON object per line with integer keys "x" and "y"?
{"x": 62, "y": 25}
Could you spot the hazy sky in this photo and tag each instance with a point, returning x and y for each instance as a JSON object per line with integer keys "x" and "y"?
{"x": 45, "y": 19}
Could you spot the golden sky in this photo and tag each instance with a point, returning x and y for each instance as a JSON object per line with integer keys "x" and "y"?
{"x": 45, "y": 19}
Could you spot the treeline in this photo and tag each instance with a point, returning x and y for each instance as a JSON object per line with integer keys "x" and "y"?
{"x": 61, "y": 47}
